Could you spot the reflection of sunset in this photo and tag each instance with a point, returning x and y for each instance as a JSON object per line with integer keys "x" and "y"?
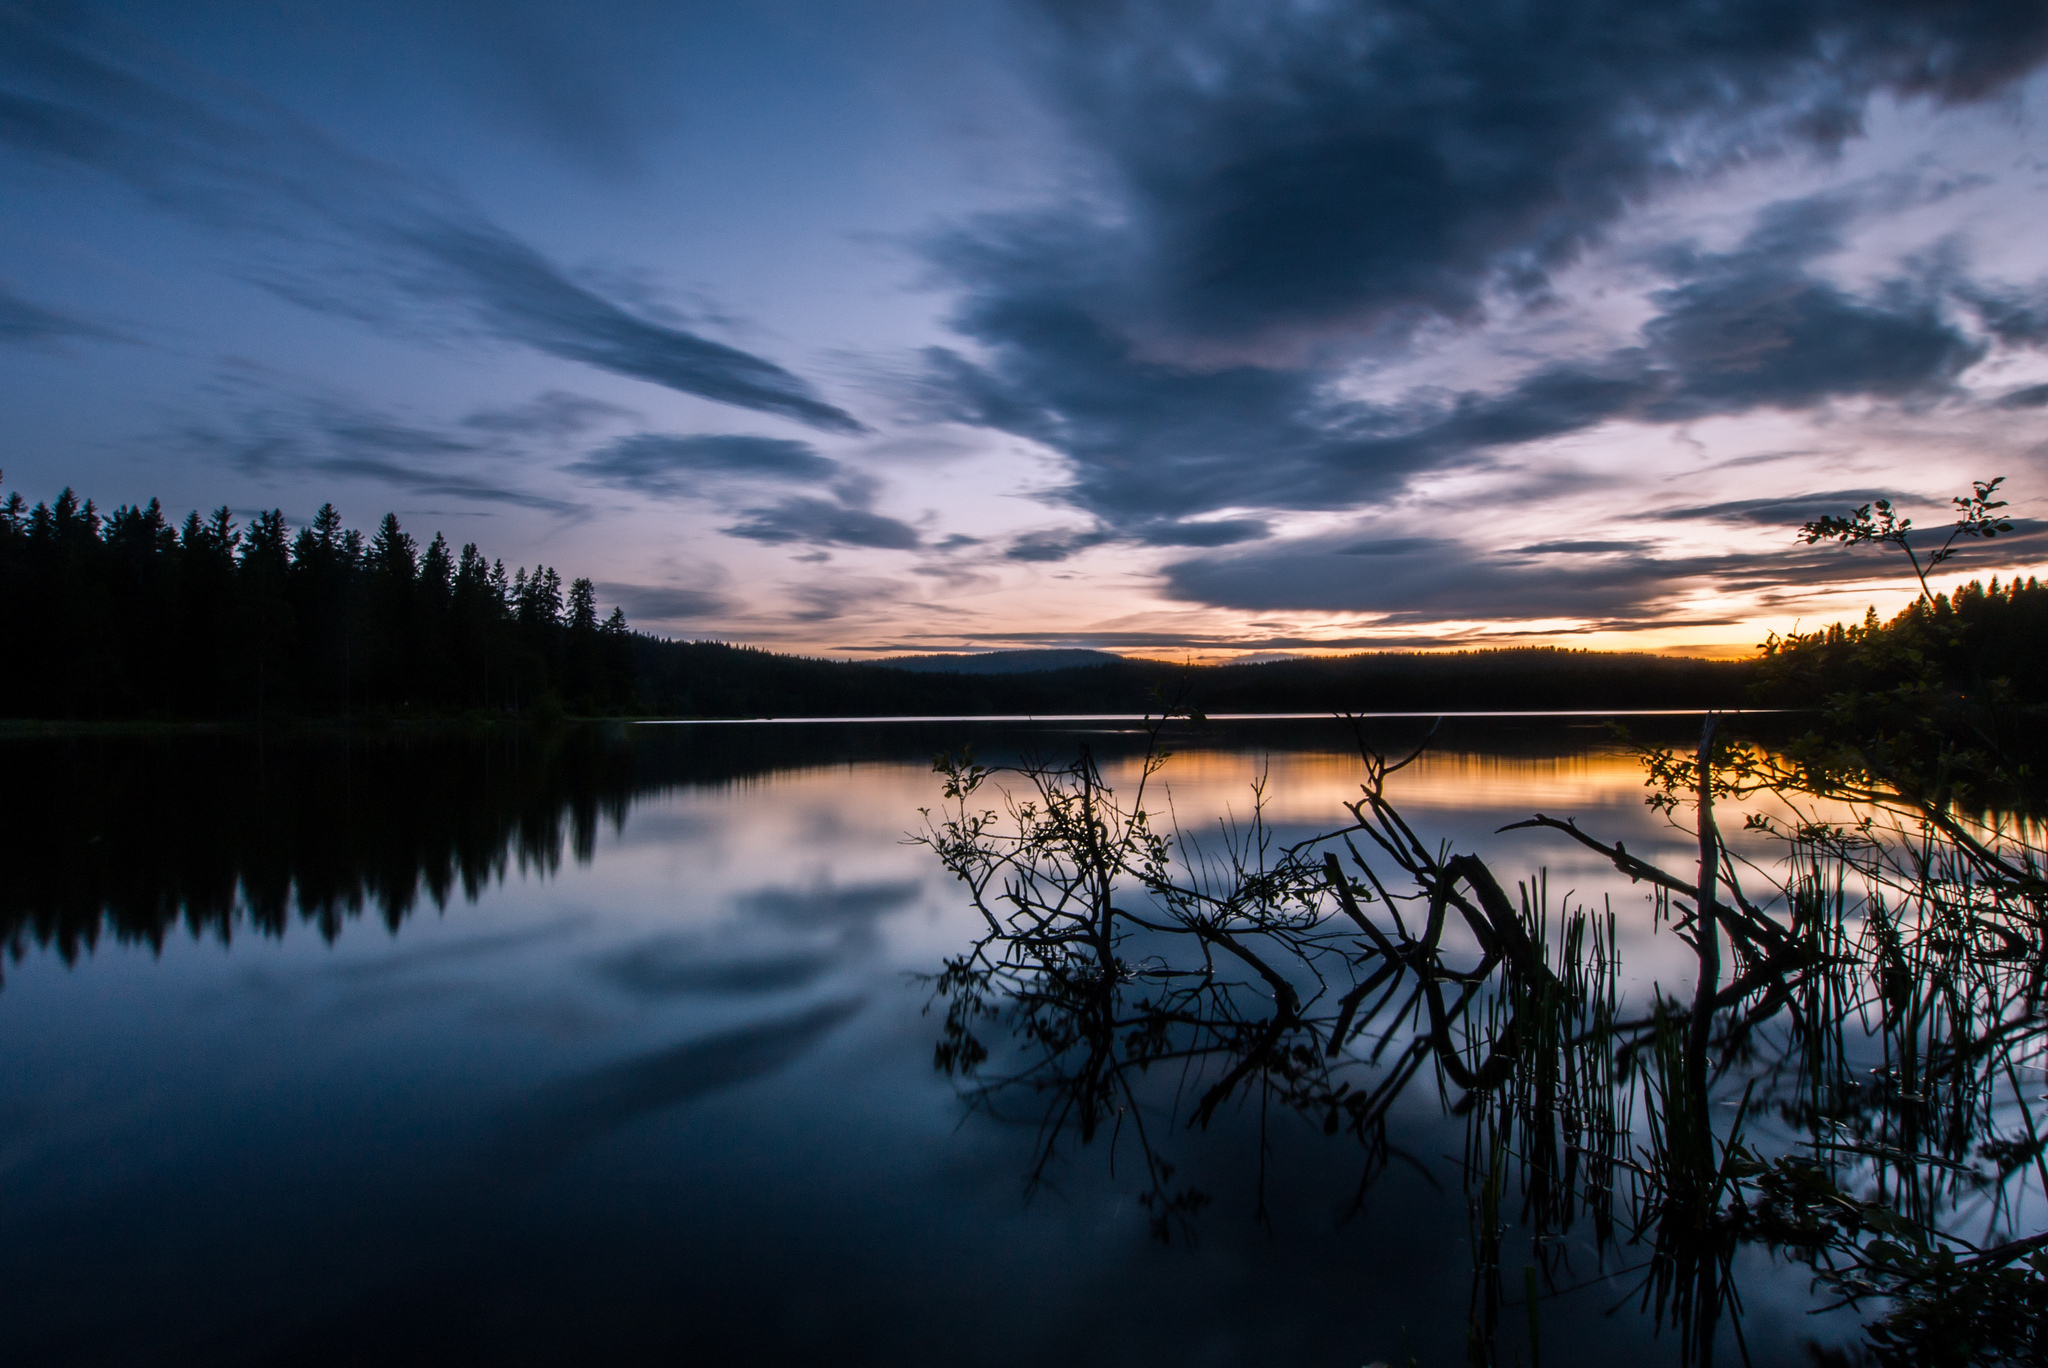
{"x": 1313, "y": 787}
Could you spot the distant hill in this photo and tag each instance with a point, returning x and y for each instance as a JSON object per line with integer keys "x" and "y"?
{"x": 710, "y": 679}
{"x": 1000, "y": 662}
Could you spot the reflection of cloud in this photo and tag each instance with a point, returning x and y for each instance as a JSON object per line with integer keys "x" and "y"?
{"x": 562, "y": 1118}
{"x": 671, "y": 965}
{"x": 391, "y": 246}
{"x": 828, "y": 906}
{"x": 406, "y": 958}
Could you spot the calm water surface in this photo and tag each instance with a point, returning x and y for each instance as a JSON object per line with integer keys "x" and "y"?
{"x": 608, "y": 1048}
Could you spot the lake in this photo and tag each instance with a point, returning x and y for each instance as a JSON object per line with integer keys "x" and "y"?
{"x": 610, "y": 1046}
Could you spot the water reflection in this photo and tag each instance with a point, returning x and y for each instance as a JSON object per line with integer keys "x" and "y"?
{"x": 1871, "y": 1035}
{"x": 135, "y": 836}
{"x": 622, "y": 1061}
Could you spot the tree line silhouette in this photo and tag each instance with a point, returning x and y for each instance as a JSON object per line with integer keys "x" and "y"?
{"x": 1978, "y": 637}
{"x": 125, "y": 615}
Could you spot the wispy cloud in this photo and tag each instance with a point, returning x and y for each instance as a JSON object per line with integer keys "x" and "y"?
{"x": 362, "y": 239}
{"x": 23, "y": 322}
{"x": 664, "y": 602}
{"x": 1419, "y": 580}
{"x": 554, "y": 415}
{"x": 667, "y": 466}
{"x": 296, "y": 435}
{"x": 824, "y": 522}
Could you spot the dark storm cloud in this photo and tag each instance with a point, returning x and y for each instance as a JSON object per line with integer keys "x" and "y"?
{"x": 1384, "y": 160}
{"x": 23, "y": 322}
{"x": 393, "y": 249}
{"x": 824, "y": 522}
{"x": 663, "y": 602}
{"x": 1756, "y": 328}
{"x": 1151, "y": 440}
{"x": 2033, "y": 396}
{"x": 676, "y": 467}
{"x": 1289, "y": 188}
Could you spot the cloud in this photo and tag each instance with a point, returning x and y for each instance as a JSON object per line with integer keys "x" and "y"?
{"x": 1214, "y": 532}
{"x": 1425, "y": 578}
{"x": 675, "y": 467}
{"x": 2033, "y": 396}
{"x": 1787, "y": 511}
{"x": 590, "y": 91}
{"x": 555, "y": 415}
{"x": 663, "y": 602}
{"x": 1288, "y": 193}
{"x": 1048, "y": 547}
{"x": 1374, "y": 163}
{"x": 333, "y": 435}
{"x": 824, "y": 522}
{"x": 2017, "y": 317}
{"x": 1430, "y": 579}
{"x": 829, "y": 600}
{"x": 23, "y": 322}
{"x": 456, "y": 486}
{"x": 1590, "y": 548}
{"x": 388, "y": 246}
{"x": 1153, "y": 444}
{"x": 1756, "y": 328}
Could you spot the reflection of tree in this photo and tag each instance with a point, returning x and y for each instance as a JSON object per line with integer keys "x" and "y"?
{"x": 130, "y": 837}
{"x": 1878, "y": 1020}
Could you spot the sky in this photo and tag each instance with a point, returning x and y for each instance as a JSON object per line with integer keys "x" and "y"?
{"x": 1199, "y": 331}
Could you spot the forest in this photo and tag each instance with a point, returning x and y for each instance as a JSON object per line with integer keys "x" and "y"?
{"x": 125, "y": 616}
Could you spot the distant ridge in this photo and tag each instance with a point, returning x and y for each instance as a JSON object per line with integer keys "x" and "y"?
{"x": 1001, "y": 662}
{"x": 710, "y": 679}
